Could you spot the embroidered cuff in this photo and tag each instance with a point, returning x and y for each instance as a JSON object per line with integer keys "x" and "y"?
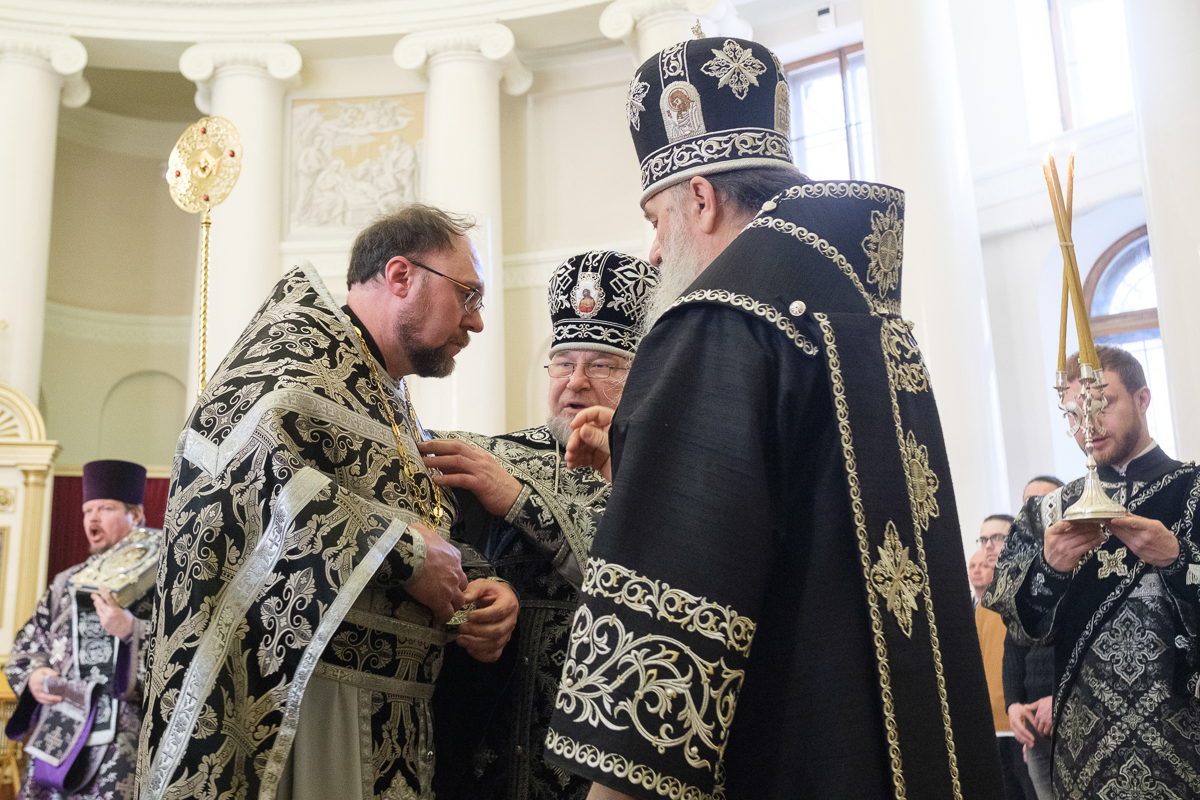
{"x": 518, "y": 505}
{"x": 411, "y": 539}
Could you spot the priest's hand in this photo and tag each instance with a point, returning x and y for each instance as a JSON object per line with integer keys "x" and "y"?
{"x": 465, "y": 466}
{"x": 35, "y": 685}
{"x": 114, "y": 619}
{"x": 489, "y": 627}
{"x": 1149, "y": 539}
{"x": 442, "y": 581}
{"x": 1021, "y": 721}
{"x": 1068, "y": 541}
{"x": 588, "y": 445}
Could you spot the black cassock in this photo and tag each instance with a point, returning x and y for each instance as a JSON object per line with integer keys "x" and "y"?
{"x": 776, "y": 605}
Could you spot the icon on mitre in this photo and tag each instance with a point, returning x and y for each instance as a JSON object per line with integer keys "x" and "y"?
{"x": 588, "y": 297}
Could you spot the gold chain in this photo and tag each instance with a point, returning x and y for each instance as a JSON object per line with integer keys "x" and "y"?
{"x": 429, "y": 506}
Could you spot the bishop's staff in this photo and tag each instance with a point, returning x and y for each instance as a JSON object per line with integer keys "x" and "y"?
{"x": 1083, "y": 412}
{"x": 202, "y": 171}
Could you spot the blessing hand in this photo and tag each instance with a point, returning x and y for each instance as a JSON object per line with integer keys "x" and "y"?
{"x": 465, "y": 466}
{"x": 588, "y": 445}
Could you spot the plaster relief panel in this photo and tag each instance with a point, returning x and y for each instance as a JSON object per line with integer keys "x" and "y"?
{"x": 352, "y": 159}
{"x": 8, "y": 499}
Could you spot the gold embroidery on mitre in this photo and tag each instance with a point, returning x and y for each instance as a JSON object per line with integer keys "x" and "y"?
{"x": 783, "y": 109}
{"x": 897, "y": 579}
{"x": 884, "y": 247}
{"x": 736, "y": 67}
{"x": 1112, "y": 563}
{"x": 922, "y": 481}
{"x": 681, "y": 113}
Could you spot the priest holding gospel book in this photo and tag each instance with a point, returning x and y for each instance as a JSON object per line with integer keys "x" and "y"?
{"x": 74, "y": 666}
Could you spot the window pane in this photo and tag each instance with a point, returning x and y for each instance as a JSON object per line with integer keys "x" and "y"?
{"x": 1037, "y": 68}
{"x": 819, "y": 121}
{"x": 1097, "y": 56}
{"x": 1146, "y": 347}
{"x": 860, "y": 117}
{"x": 1128, "y": 281}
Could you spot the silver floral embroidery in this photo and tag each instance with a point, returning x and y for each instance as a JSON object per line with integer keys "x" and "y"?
{"x": 633, "y": 102}
{"x": 1112, "y": 563}
{"x": 1128, "y": 645}
{"x": 735, "y": 67}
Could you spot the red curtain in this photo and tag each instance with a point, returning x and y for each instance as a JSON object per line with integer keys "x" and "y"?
{"x": 68, "y": 545}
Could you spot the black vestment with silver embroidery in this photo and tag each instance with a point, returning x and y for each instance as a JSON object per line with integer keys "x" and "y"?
{"x": 288, "y": 547}
{"x": 775, "y": 605}
{"x": 1127, "y": 656}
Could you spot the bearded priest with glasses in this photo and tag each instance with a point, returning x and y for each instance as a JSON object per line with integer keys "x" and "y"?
{"x": 534, "y": 519}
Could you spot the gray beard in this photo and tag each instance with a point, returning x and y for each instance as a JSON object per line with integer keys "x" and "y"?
{"x": 676, "y": 273}
{"x": 560, "y": 429}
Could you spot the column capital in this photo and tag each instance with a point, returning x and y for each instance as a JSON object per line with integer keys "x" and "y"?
{"x": 647, "y": 26}
{"x": 493, "y": 41}
{"x": 200, "y": 62}
{"x": 65, "y": 55}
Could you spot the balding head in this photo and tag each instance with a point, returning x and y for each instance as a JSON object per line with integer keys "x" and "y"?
{"x": 979, "y": 573}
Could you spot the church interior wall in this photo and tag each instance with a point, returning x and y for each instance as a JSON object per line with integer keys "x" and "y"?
{"x": 123, "y": 258}
{"x": 119, "y": 291}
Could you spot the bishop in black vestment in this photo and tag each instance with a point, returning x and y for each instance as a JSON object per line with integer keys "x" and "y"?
{"x": 775, "y": 605}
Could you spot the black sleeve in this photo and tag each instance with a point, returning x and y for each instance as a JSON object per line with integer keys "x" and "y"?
{"x": 1014, "y": 671}
{"x": 681, "y": 564}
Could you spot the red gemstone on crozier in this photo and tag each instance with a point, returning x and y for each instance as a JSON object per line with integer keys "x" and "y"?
{"x": 231, "y": 154}
{"x": 204, "y": 130}
{"x": 176, "y": 173}
{"x": 206, "y": 198}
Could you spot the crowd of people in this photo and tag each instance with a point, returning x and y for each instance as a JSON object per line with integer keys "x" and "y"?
{"x": 728, "y": 565}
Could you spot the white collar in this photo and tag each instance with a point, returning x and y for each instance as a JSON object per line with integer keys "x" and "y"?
{"x": 1121, "y": 469}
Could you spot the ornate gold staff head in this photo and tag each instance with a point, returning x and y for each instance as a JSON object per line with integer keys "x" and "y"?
{"x": 202, "y": 170}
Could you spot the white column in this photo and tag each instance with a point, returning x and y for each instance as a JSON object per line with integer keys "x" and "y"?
{"x": 37, "y": 72}
{"x": 921, "y": 141}
{"x": 1165, "y": 61}
{"x": 648, "y": 26}
{"x": 462, "y": 175}
{"x": 243, "y": 82}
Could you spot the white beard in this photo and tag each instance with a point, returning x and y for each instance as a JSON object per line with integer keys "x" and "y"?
{"x": 682, "y": 263}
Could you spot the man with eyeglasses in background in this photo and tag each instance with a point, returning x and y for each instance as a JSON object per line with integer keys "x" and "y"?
{"x": 534, "y": 519}
{"x": 992, "y": 536}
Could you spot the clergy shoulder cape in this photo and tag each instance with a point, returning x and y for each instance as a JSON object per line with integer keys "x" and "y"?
{"x": 776, "y": 604}
{"x": 1127, "y": 653}
{"x": 287, "y": 501}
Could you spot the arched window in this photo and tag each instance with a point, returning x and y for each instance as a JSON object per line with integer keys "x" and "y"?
{"x": 1122, "y": 303}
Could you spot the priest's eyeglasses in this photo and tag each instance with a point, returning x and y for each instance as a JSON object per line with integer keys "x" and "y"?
{"x": 471, "y": 303}
{"x": 998, "y": 538}
{"x": 565, "y": 369}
